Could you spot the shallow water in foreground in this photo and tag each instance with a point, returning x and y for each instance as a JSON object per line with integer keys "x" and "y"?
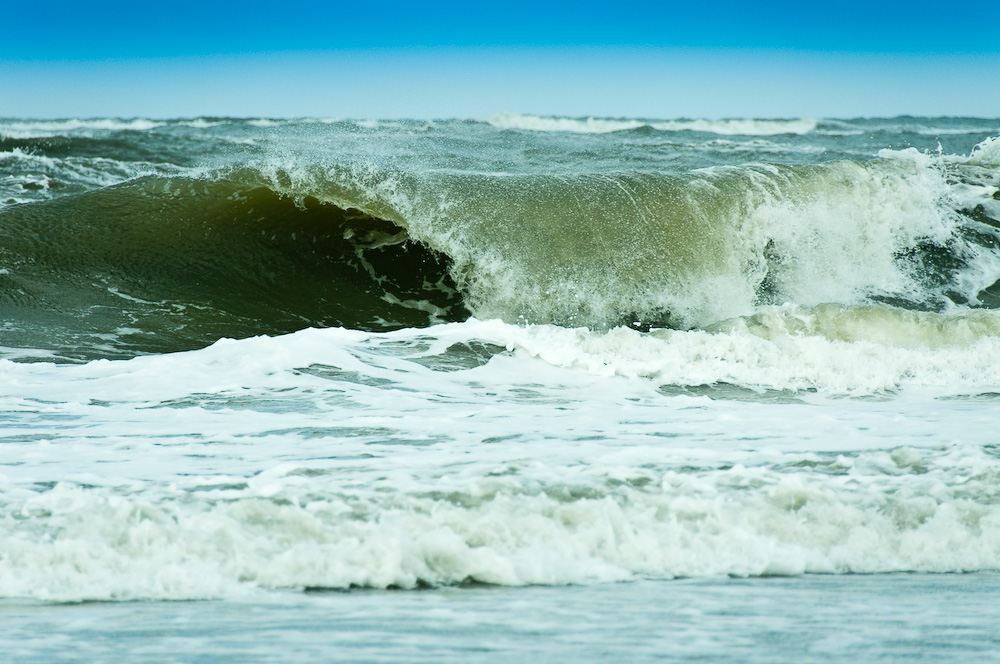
{"x": 895, "y": 618}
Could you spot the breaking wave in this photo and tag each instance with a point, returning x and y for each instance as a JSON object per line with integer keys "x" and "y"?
{"x": 260, "y": 247}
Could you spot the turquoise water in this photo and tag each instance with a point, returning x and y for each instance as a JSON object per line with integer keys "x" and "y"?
{"x": 815, "y": 618}
{"x": 518, "y": 388}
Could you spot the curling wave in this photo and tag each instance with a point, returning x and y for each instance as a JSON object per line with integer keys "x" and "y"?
{"x": 688, "y": 250}
{"x": 263, "y": 247}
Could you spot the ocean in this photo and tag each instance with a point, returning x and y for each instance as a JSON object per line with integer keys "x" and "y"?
{"x": 521, "y": 388}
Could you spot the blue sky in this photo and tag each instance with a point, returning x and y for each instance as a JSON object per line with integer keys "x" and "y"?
{"x": 464, "y": 59}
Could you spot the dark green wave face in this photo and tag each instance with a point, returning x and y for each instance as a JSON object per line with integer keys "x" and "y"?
{"x": 127, "y": 237}
{"x": 157, "y": 265}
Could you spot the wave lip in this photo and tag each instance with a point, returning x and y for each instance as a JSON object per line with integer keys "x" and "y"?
{"x": 590, "y": 125}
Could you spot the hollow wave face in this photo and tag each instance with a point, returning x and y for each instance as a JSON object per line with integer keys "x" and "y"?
{"x": 167, "y": 264}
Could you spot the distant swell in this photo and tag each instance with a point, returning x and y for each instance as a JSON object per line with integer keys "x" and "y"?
{"x": 728, "y": 127}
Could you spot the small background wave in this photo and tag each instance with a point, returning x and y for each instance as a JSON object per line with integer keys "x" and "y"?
{"x": 727, "y": 127}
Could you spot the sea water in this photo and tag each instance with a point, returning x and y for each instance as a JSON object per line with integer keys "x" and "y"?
{"x": 522, "y": 388}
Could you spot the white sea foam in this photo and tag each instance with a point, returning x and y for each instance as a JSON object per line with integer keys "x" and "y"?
{"x": 890, "y": 511}
{"x": 17, "y": 154}
{"x": 840, "y": 232}
{"x": 728, "y": 127}
{"x": 832, "y": 349}
{"x": 335, "y": 458}
{"x": 986, "y": 154}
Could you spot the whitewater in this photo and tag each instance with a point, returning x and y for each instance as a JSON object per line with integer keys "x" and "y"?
{"x": 498, "y": 389}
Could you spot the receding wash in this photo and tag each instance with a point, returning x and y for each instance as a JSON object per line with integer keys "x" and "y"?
{"x": 247, "y": 358}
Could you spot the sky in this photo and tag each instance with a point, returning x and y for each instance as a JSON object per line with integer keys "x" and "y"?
{"x": 389, "y": 59}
